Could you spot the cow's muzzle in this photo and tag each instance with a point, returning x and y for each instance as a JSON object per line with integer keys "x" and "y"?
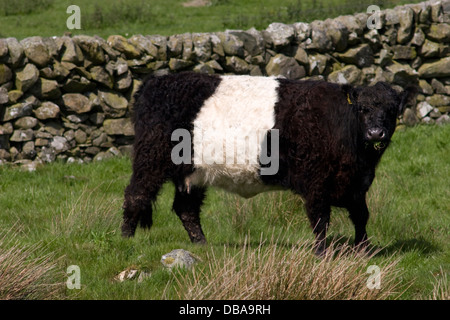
{"x": 376, "y": 135}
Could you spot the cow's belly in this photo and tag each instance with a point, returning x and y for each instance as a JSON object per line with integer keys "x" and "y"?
{"x": 229, "y": 131}
{"x": 237, "y": 180}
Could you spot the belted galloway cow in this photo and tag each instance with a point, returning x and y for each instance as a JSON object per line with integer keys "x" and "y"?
{"x": 249, "y": 135}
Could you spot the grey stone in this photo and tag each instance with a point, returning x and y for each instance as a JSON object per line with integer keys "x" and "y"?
{"x": 26, "y": 77}
{"x": 119, "y": 127}
{"x": 78, "y": 84}
{"x": 430, "y": 49}
{"x": 123, "y": 81}
{"x": 338, "y": 33}
{"x": 20, "y": 135}
{"x": 76, "y": 102}
{"x": 406, "y": 19}
{"x": 6, "y": 128}
{"x": 321, "y": 41}
{"x": 54, "y": 128}
{"x": 77, "y": 118}
{"x": 47, "y": 89}
{"x": 203, "y": 68}
{"x": 301, "y": 56}
{"x": 439, "y": 32}
{"x": 47, "y": 154}
{"x": 179, "y": 258}
{"x": 281, "y": 65}
{"x": 438, "y": 100}
{"x": 347, "y": 75}
{"x": 5, "y": 97}
{"x": 418, "y": 37}
{"x": 437, "y": 69}
{"x": 404, "y": 52}
{"x": 5, "y": 73}
{"x": 91, "y": 47}
{"x": 80, "y": 136}
{"x": 59, "y": 144}
{"x": 175, "y": 46}
{"x": 361, "y": 56}
{"x": 317, "y": 64}
{"x": 144, "y": 44}
{"x": 72, "y": 52}
{"x": 409, "y": 118}
{"x": 423, "y": 109}
{"x": 100, "y": 75}
{"x": 36, "y": 51}
{"x": 438, "y": 86}
{"x": 113, "y": 103}
{"x": 236, "y": 65}
{"x": 161, "y": 43}
{"x": 444, "y": 119}
{"x": 28, "y": 150}
{"x": 103, "y": 156}
{"x": 231, "y": 44}
{"x": 302, "y": 31}
{"x": 121, "y": 44}
{"x": 202, "y": 46}
{"x": 425, "y": 87}
{"x": 401, "y": 74}
{"x": 15, "y": 51}
{"x": 132, "y": 273}
{"x": 179, "y": 64}
{"x": 280, "y": 34}
{"x": 352, "y": 24}
{"x": 17, "y": 110}
{"x": 26, "y": 123}
{"x": 47, "y": 110}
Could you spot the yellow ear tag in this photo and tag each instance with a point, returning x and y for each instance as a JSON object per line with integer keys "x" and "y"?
{"x": 348, "y": 99}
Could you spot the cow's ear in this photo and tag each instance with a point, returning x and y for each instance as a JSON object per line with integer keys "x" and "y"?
{"x": 407, "y": 97}
{"x": 351, "y": 93}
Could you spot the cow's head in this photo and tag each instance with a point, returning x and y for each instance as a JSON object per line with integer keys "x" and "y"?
{"x": 378, "y": 108}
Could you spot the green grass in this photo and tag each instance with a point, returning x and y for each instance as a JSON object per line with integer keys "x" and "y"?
{"x": 23, "y": 18}
{"x": 73, "y": 214}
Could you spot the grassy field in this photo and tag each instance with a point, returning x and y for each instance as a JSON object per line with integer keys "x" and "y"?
{"x": 62, "y": 215}
{"x": 24, "y": 18}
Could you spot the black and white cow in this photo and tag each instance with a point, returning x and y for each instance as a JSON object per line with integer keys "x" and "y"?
{"x": 254, "y": 134}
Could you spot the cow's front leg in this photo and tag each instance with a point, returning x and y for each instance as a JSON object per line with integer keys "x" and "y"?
{"x": 318, "y": 210}
{"x": 359, "y": 214}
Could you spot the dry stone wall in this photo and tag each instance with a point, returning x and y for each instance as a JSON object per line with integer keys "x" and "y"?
{"x": 69, "y": 98}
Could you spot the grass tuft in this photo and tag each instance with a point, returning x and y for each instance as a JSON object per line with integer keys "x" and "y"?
{"x": 28, "y": 272}
{"x": 272, "y": 272}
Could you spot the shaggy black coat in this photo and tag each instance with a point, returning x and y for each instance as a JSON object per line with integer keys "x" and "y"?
{"x": 331, "y": 140}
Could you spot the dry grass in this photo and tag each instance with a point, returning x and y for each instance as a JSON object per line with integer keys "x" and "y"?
{"x": 27, "y": 273}
{"x": 441, "y": 289}
{"x": 90, "y": 210}
{"x": 276, "y": 271}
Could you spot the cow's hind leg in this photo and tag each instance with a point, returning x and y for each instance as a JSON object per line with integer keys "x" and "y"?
{"x": 151, "y": 168}
{"x": 187, "y": 205}
{"x": 139, "y": 198}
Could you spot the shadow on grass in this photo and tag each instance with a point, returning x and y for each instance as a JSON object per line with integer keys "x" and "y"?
{"x": 419, "y": 245}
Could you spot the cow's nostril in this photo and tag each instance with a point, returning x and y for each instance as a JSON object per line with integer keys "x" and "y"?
{"x": 375, "y": 134}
